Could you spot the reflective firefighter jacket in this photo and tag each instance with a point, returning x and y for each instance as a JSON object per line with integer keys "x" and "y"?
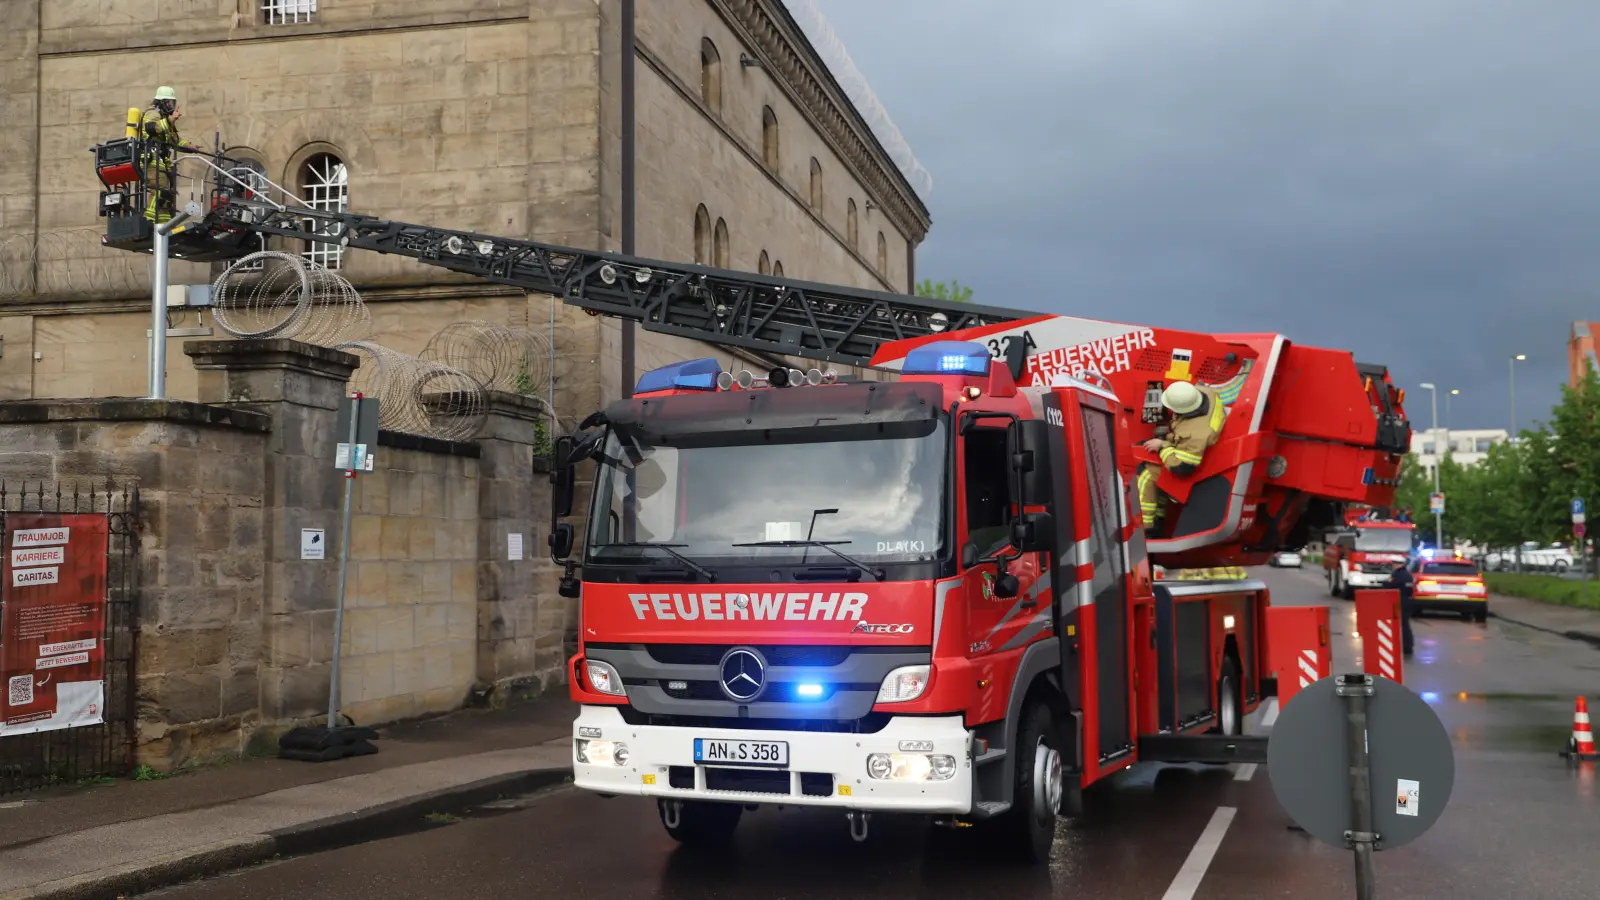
{"x": 1193, "y": 434}
{"x": 160, "y": 128}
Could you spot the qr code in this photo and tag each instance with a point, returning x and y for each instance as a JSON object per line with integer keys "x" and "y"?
{"x": 21, "y": 690}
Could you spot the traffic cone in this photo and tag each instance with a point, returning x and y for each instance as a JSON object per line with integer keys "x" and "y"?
{"x": 1581, "y": 747}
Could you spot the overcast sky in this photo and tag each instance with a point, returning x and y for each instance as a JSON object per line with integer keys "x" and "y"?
{"x": 1416, "y": 181}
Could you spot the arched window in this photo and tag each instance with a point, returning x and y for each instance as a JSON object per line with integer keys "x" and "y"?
{"x": 702, "y": 235}
{"x": 769, "y": 137}
{"x": 325, "y": 184}
{"x": 710, "y": 76}
{"x": 777, "y": 269}
{"x": 764, "y": 264}
{"x": 721, "y": 245}
{"x": 852, "y": 229}
{"x": 883, "y": 255}
{"x": 816, "y": 185}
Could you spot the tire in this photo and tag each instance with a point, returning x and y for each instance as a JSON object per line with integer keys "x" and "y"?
{"x": 1028, "y": 829}
{"x": 1481, "y": 616}
{"x": 1562, "y": 566}
{"x": 1230, "y": 699}
{"x": 1333, "y": 583}
{"x": 701, "y": 823}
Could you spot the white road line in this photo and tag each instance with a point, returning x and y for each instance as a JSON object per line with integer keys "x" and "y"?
{"x": 1194, "y": 868}
{"x": 1245, "y": 772}
{"x": 1271, "y": 715}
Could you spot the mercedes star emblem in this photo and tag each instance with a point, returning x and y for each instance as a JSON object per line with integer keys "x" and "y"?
{"x": 743, "y": 674}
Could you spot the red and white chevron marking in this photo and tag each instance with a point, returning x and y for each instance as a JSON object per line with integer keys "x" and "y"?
{"x": 1308, "y": 668}
{"x": 1386, "y": 649}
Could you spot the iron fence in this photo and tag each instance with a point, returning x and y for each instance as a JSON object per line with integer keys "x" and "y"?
{"x": 70, "y": 755}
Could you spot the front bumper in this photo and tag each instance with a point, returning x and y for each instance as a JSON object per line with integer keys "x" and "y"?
{"x": 1366, "y": 579}
{"x": 825, "y": 768}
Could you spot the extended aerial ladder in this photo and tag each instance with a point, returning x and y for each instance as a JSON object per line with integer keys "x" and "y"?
{"x": 1309, "y": 429}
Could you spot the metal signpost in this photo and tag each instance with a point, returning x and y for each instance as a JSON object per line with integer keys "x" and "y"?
{"x": 358, "y": 426}
{"x": 1581, "y": 542}
{"x": 1349, "y": 760}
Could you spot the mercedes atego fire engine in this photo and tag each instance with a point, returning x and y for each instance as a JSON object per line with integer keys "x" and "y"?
{"x": 928, "y": 596}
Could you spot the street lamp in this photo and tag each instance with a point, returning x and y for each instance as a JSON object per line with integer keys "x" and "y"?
{"x": 1511, "y": 366}
{"x": 158, "y": 296}
{"x": 1454, "y": 392}
{"x": 1438, "y": 457}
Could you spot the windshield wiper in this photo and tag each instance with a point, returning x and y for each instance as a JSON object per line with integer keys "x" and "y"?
{"x": 826, "y": 545}
{"x": 667, "y": 549}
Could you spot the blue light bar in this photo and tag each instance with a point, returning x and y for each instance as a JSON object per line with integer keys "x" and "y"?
{"x": 947, "y": 358}
{"x": 809, "y": 691}
{"x": 694, "y": 375}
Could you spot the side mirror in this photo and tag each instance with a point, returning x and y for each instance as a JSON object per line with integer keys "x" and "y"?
{"x": 562, "y": 479}
{"x": 1033, "y": 532}
{"x": 560, "y": 541}
{"x": 1030, "y": 455}
{"x": 969, "y": 555}
{"x": 1006, "y": 585}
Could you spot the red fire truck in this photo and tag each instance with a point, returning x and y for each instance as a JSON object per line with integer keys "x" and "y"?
{"x": 1367, "y": 549}
{"x": 929, "y": 596}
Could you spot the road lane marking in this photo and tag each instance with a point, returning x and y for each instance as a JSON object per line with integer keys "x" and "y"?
{"x": 1271, "y": 715}
{"x": 1245, "y": 772}
{"x": 1194, "y": 868}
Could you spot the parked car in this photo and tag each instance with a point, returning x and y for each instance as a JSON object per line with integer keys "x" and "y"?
{"x": 1285, "y": 559}
{"x": 1555, "y": 558}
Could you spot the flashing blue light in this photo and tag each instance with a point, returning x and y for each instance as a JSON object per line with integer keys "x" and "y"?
{"x": 947, "y": 358}
{"x": 1430, "y": 697}
{"x": 694, "y": 375}
{"x": 808, "y": 691}
{"x": 1427, "y": 552}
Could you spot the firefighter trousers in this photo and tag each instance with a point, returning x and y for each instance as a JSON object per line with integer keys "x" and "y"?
{"x": 1152, "y": 502}
{"x": 162, "y": 188}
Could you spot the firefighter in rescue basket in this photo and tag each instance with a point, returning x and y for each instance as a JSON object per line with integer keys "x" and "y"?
{"x": 159, "y": 128}
{"x": 1197, "y": 419}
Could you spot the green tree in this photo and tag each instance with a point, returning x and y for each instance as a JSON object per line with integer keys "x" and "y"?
{"x": 953, "y": 291}
{"x": 1415, "y": 486}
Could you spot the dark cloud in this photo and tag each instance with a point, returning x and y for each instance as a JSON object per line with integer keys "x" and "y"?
{"x": 1416, "y": 182}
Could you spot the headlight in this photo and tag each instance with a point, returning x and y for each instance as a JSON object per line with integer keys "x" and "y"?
{"x": 910, "y": 767}
{"x": 904, "y": 684}
{"x": 603, "y": 678}
{"x": 602, "y": 753}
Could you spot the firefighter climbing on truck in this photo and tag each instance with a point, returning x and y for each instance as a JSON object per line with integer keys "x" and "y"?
{"x": 1197, "y": 419}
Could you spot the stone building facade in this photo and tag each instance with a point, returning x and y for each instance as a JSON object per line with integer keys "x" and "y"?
{"x": 501, "y": 116}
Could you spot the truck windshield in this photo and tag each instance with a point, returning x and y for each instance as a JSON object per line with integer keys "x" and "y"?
{"x": 1384, "y": 540}
{"x": 878, "y": 498}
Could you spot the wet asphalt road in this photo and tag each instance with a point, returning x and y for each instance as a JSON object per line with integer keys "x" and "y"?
{"x": 1521, "y": 823}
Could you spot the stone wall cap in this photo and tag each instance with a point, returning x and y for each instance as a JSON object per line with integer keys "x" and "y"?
{"x": 271, "y": 353}
{"x": 130, "y": 409}
{"x": 401, "y": 440}
{"x": 514, "y": 406}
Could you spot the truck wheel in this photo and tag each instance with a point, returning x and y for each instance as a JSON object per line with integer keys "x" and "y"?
{"x": 1230, "y": 705}
{"x": 1333, "y": 583}
{"x": 1028, "y": 829}
{"x": 697, "y": 822}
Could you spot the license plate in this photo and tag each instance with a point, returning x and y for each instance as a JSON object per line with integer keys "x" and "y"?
{"x": 771, "y": 754}
{"x": 1456, "y": 588}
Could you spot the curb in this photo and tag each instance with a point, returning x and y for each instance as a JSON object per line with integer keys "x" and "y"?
{"x": 369, "y": 824}
{"x": 1585, "y": 636}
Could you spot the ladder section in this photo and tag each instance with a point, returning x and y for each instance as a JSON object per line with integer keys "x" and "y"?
{"x": 772, "y": 315}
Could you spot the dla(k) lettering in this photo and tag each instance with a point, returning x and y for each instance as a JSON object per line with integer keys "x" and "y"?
{"x": 789, "y": 607}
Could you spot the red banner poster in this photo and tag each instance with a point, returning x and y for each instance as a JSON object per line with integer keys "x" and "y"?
{"x": 52, "y": 621}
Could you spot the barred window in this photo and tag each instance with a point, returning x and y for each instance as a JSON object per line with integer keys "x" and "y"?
{"x": 325, "y": 184}
{"x": 287, "y": 12}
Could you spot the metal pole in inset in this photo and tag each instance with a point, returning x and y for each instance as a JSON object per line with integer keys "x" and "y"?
{"x": 344, "y": 564}
{"x": 1355, "y": 689}
{"x": 158, "y": 299}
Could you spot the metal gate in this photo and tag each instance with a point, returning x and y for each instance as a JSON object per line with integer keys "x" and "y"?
{"x": 70, "y": 755}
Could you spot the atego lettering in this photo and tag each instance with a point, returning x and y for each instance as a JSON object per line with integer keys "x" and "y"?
{"x": 787, "y": 607}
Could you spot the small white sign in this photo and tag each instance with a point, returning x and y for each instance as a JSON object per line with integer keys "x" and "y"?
{"x": 40, "y": 537}
{"x": 784, "y": 531}
{"x": 514, "y": 546}
{"x": 363, "y": 458}
{"x": 42, "y": 556}
{"x": 1406, "y": 797}
{"x": 313, "y": 544}
{"x": 27, "y": 577}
